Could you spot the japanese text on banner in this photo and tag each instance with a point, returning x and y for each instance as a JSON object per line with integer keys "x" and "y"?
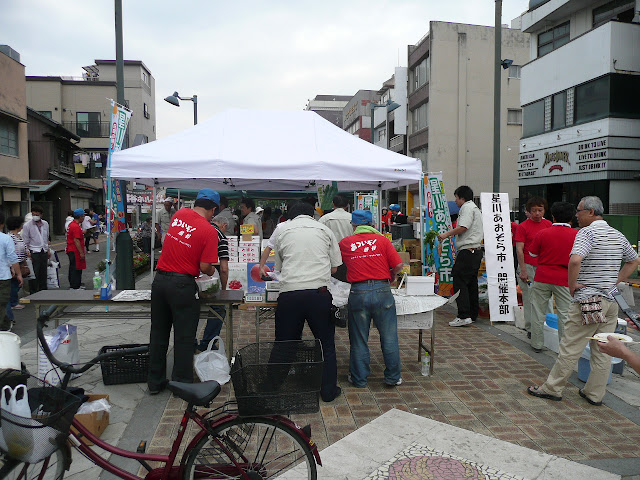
{"x": 501, "y": 281}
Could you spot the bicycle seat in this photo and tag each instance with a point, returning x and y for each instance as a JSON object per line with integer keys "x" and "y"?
{"x": 199, "y": 394}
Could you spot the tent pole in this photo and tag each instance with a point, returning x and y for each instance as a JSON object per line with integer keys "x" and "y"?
{"x": 379, "y": 225}
{"x": 153, "y": 231}
{"x": 178, "y": 198}
{"x": 422, "y": 226}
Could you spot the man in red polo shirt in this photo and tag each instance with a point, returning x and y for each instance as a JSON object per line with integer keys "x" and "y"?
{"x": 527, "y": 231}
{"x": 75, "y": 250}
{"x": 190, "y": 247}
{"x": 552, "y": 249}
{"x": 371, "y": 262}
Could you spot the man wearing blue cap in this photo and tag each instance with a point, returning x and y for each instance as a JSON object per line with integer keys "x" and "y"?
{"x": 75, "y": 250}
{"x": 371, "y": 263}
{"x": 190, "y": 247}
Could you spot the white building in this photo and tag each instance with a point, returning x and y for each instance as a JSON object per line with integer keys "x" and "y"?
{"x": 581, "y": 106}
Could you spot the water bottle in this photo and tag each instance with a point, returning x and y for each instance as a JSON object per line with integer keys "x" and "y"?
{"x": 426, "y": 363}
{"x": 97, "y": 284}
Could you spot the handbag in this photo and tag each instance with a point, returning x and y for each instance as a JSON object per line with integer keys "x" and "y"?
{"x": 24, "y": 269}
{"x": 30, "y": 275}
{"x": 212, "y": 364}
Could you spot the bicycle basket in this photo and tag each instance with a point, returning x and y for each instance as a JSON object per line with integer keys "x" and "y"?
{"x": 278, "y": 378}
{"x": 131, "y": 368}
{"x": 33, "y": 439}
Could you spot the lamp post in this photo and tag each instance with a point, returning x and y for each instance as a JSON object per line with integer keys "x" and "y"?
{"x": 175, "y": 100}
{"x": 391, "y": 106}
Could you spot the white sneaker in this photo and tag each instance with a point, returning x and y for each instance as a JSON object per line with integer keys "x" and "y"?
{"x": 460, "y": 322}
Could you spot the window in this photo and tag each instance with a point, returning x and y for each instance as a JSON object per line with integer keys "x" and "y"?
{"x": 559, "y": 110}
{"x": 88, "y": 124}
{"x": 382, "y": 134}
{"x": 420, "y": 74}
{"x": 533, "y": 119}
{"x": 420, "y": 118}
{"x": 552, "y": 39}
{"x": 621, "y": 10}
{"x": 8, "y": 136}
{"x": 45, "y": 113}
{"x": 514, "y": 71}
{"x": 592, "y": 100}
{"x": 625, "y": 101}
{"x": 354, "y": 127}
{"x": 145, "y": 78}
{"x": 514, "y": 116}
{"x": 146, "y": 111}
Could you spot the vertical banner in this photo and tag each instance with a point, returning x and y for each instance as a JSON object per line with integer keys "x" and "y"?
{"x": 116, "y": 195}
{"x": 436, "y": 220}
{"x": 498, "y": 255}
{"x": 369, "y": 201}
{"x": 326, "y": 194}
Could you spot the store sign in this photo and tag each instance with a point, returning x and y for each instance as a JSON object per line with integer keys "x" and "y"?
{"x": 140, "y": 198}
{"x": 589, "y": 156}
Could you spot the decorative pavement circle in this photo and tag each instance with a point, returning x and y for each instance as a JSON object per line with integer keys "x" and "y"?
{"x": 418, "y": 462}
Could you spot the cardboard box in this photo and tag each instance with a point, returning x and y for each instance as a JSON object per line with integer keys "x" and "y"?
{"x": 415, "y": 212}
{"x": 415, "y": 268}
{"x": 405, "y": 257}
{"x": 95, "y": 422}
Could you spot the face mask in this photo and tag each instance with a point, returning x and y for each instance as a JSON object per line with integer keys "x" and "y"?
{"x": 36, "y": 218}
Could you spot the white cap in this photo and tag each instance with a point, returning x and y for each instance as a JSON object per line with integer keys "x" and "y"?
{"x": 168, "y": 199}
{"x": 259, "y": 210}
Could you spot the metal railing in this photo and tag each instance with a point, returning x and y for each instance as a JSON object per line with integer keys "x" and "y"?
{"x": 396, "y": 141}
{"x": 89, "y": 129}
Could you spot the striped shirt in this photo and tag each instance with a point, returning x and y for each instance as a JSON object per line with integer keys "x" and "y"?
{"x": 21, "y": 250}
{"x": 603, "y": 249}
{"x": 223, "y": 244}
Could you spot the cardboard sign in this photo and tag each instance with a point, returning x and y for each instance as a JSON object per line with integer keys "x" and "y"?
{"x": 246, "y": 229}
{"x": 388, "y": 235}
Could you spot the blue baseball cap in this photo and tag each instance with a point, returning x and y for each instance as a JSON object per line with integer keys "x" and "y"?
{"x": 361, "y": 217}
{"x": 209, "y": 194}
{"x": 78, "y": 212}
{"x": 394, "y": 207}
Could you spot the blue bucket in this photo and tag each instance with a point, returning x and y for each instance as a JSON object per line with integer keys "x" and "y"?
{"x": 552, "y": 320}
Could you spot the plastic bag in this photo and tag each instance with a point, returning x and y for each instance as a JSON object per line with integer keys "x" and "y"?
{"x": 101, "y": 405}
{"x": 208, "y": 285}
{"x": 212, "y": 364}
{"x": 32, "y": 275}
{"x": 63, "y": 344}
{"x": 16, "y": 440}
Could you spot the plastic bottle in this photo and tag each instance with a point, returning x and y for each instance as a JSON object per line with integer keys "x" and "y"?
{"x": 426, "y": 363}
{"x": 97, "y": 284}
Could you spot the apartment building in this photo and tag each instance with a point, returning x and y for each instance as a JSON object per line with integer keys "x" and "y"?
{"x": 14, "y": 155}
{"x": 81, "y": 105}
{"x": 581, "y": 126}
{"x": 329, "y": 107}
{"x": 356, "y": 115}
{"x": 390, "y": 121}
{"x": 450, "y": 104}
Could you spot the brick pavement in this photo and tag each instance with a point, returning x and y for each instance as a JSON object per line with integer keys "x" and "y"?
{"x": 479, "y": 384}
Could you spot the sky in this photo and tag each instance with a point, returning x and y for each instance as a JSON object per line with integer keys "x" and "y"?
{"x": 251, "y": 54}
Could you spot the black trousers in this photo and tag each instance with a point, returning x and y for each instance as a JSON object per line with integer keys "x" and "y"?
{"x": 314, "y": 306}
{"x": 75, "y": 276}
{"x": 465, "y": 281}
{"x": 173, "y": 304}
{"x": 40, "y": 261}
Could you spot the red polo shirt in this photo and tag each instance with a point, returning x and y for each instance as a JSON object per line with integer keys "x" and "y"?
{"x": 190, "y": 240}
{"x": 368, "y": 256}
{"x": 553, "y": 249}
{"x": 526, "y": 233}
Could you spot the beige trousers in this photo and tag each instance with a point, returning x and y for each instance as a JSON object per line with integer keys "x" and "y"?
{"x": 540, "y": 295}
{"x": 574, "y": 340}
{"x": 526, "y": 296}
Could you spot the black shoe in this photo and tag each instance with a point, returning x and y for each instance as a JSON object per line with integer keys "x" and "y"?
{"x": 597, "y": 404}
{"x": 528, "y": 334}
{"x": 338, "y": 392}
{"x": 157, "y": 389}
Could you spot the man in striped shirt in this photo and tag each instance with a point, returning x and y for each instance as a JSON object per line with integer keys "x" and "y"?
{"x": 594, "y": 269}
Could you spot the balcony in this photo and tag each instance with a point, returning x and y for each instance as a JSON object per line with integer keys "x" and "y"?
{"x": 89, "y": 129}
{"x": 609, "y": 52}
{"x": 396, "y": 144}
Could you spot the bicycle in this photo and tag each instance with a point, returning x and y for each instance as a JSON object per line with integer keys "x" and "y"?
{"x": 226, "y": 445}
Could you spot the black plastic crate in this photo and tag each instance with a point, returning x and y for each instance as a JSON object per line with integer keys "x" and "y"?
{"x": 130, "y": 368}
{"x": 278, "y": 378}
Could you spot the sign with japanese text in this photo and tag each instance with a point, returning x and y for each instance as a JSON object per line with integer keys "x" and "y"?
{"x": 116, "y": 190}
{"x": 498, "y": 254}
{"x": 369, "y": 201}
{"x": 246, "y": 229}
{"x": 437, "y": 219}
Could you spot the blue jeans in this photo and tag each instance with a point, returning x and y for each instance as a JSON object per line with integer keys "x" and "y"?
{"x": 212, "y": 329}
{"x": 13, "y": 295}
{"x": 372, "y": 300}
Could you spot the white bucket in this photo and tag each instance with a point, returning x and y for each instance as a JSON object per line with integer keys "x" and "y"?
{"x": 9, "y": 350}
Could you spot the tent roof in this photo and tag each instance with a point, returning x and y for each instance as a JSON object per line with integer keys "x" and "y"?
{"x": 264, "y": 150}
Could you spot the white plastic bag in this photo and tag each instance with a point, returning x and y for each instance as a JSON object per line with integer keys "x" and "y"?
{"x": 52, "y": 276}
{"x": 17, "y": 441}
{"x": 32, "y": 275}
{"x": 101, "y": 405}
{"x": 213, "y": 364}
{"x": 63, "y": 344}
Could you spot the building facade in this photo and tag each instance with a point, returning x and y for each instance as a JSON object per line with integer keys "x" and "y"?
{"x": 356, "y": 115}
{"x": 81, "y": 105}
{"x": 450, "y": 104}
{"x": 581, "y": 127}
{"x": 329, "y": 107}
{"x": 14, "y": 152}
{"x": 390, "y": 123}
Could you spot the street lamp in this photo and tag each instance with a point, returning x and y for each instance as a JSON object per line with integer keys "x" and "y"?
{"x": 175, "y": 100}
{"x": 391, "y": 106}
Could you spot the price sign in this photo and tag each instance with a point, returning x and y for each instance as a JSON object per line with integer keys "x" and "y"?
{"x": 388, "y": 235}
{"x": 246, "y": 229}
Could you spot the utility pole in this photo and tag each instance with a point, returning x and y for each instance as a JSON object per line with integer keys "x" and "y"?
{"x": 497, "y": 64}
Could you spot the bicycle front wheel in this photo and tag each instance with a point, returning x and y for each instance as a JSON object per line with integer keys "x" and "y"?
{"x": 261, "y": 447}
{"x": 51, "y": 468}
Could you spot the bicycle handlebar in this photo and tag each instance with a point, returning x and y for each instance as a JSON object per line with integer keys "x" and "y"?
{"x": 67, "y": 368}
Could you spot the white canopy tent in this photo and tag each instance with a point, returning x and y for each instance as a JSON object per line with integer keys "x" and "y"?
{"x": 264, "y": 150}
